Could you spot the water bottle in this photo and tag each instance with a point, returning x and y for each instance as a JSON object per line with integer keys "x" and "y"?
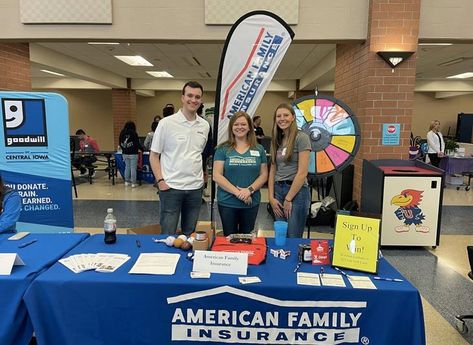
{"x": 110, "y": 227}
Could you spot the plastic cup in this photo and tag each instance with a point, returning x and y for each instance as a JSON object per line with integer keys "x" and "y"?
{"x": 280, "y": 232}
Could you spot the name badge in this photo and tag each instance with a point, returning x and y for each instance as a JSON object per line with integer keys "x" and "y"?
{"x": 254, "y": 153}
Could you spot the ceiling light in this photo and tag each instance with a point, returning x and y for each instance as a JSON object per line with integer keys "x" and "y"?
{"x": 452, "y": 62}
{"x": 104, "y": 43}
{"x": 51, "y": 72}
{"x": 160, "y": 74}
{"x": 435, "y": 44}
{"x": 461, "y": 76}
{"x": 134, "y": 60}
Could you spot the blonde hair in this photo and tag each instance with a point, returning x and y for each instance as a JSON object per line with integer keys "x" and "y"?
{"x": 250, "y": 136}
{"x": 278, "y": 134}
{"x": 433, "y": 123}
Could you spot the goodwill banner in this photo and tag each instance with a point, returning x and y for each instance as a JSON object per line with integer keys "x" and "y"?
{"x": 35, "y": 158}
{"x": 255, "y": 46}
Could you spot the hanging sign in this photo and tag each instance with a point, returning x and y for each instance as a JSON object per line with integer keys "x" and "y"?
{"x": 391, "y": 134}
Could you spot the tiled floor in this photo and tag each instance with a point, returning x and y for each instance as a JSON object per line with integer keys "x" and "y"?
{"x": 439, "y": 274}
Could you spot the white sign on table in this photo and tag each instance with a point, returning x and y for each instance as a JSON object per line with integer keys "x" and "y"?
{"x": 220, "y": 262}
{"x": 7, "y": 261}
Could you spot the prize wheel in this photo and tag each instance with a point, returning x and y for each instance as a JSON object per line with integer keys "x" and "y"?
{"x": 333, "y": 130}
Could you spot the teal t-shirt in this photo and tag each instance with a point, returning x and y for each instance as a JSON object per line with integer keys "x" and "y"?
{"x": 241, "y": 170}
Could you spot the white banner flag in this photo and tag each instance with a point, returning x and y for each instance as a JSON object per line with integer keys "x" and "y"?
{"x": 254, "y": 48}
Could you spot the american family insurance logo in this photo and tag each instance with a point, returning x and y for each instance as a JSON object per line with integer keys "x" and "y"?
{"x": 276, "y": 321}
{"x": 24, "y": 122}
{"x": 249, "y": 79}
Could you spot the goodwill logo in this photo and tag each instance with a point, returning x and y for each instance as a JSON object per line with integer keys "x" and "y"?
{"x": 265, "y": 320}
{"x": 24, "y": 122}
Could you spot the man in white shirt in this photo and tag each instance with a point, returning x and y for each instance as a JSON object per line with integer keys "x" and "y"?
{"x": 176, "y": 160}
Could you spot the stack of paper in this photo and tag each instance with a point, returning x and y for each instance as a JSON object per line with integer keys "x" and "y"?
{"x": 332, "y": 280}
{"x": 155, "y": 263}
{"x": 100, "y": 262}
{"x": 361, "y": 282}
{"x": 304, "y": 278}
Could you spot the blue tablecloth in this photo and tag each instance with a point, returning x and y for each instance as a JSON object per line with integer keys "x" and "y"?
{"x": 144, "y": 174}
{"x": 119, "y": 308}
{"x": 456, "y": 165}
{"x": 15, "y": 325}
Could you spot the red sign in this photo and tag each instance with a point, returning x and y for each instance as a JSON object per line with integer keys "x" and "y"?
{"x": 320, "y": 252}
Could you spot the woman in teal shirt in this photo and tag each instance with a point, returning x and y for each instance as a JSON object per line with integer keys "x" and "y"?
{"x": 239, "y": 170}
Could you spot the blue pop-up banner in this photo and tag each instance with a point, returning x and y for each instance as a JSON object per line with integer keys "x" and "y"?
{"x": 35, "y": 158}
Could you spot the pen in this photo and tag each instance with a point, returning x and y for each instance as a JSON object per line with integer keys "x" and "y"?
{"x": 388, "y": 279}
{"x": 23, "y": 245}
{"x": 322, "y": 271}
{"x": 298, "y": 266}
{"x": 138, "y": 243}
{"x": 342, "y": 272}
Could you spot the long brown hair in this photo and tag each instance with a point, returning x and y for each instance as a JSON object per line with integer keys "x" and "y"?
{"x": 250, "y": 136}
{"x": 278, "y": 135}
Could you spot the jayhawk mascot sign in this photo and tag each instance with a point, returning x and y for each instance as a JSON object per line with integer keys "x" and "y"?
{"x": 409, "y": 211}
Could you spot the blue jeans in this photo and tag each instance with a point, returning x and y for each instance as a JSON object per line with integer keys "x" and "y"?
{"x": 237, "y": 220}
{"x": 176, "y": 202}
{"x": 131, "y": 164}
{"x": 300, "y": 208}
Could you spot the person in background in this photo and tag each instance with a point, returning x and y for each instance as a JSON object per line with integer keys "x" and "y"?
{"x": 84, "y": 162}
{"x": 130, "y": 145}
{"x": 436, "y": 143}
{"x": 157, "y": 118}
{"x": 239, "y": 170}
{"x": 176, "y": 160}
{"x": 10, "y": 208}
{"x": 207, "y": 153}
{"x": 168, "y": 110}
{"x": 149, "y": 136}
{"x": 288, "y": 191}
{"x": 258, "y": 129}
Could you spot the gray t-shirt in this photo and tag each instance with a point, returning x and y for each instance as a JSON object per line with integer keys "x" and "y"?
{"x": 286, "y": 171}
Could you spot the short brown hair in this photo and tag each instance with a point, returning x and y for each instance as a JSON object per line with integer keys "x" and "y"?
{"x": 193, "y": 85}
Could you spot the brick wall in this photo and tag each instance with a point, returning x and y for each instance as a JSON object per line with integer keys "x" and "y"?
{"x": 375, "y": 92}
{"x": 123, "y": 110}
{"x": 15, "y": 73}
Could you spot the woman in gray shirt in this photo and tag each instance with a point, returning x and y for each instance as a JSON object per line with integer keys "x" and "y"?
{"x": 288, "y": 190}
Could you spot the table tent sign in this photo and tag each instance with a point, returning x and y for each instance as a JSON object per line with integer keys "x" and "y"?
{"x": 7, "y": 261}
{"x": 35, "y": 158}
{"x": 356, "y": 243}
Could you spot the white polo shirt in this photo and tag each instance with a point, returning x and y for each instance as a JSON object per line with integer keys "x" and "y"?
{"x": 180, "y": 143}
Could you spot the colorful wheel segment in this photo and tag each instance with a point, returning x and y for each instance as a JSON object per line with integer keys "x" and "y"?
{"x": 333, "y": 131}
